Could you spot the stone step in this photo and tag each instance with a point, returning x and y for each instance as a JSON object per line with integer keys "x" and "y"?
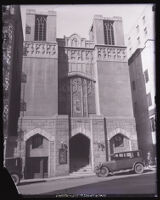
{"x": 82, "y": 173}
{"x": 86, "y": 168}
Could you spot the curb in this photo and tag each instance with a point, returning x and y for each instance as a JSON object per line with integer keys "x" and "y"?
{"x": 55, "y": 178}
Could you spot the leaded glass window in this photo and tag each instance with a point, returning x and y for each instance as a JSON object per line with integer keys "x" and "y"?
{"x": 40, "y": 28}
{"x": 109, "y": 32}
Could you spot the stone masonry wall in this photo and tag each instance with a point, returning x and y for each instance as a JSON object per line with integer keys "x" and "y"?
{"x": 99, "y": 146}
{"x": 125, "y": 124}
{"x": 62, "y": 137}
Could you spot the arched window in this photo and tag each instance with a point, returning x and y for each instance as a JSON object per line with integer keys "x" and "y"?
{"x": 118, "y": 140}
{"x": 40, "y": 27}
{"x": 108, "y": 32}
{"x": 74, "y": 42}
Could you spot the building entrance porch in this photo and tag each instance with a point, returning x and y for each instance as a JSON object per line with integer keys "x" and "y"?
{"x": 79, "y": 150}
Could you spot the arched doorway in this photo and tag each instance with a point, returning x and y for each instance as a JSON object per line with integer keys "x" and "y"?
{"x": 79, "y": 149}
{"x": 36, "y": 157}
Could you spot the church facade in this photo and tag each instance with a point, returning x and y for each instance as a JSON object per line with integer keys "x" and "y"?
{"x": 76, "y": 105}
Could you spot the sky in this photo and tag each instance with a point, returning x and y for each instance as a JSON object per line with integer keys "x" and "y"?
{"x": 78, "y": 18}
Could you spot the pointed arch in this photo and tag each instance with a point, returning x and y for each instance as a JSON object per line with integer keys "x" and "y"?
{"x": 118, "y": 131}
{"x": 40, "y": 132}
{"x": 81, "y": 130}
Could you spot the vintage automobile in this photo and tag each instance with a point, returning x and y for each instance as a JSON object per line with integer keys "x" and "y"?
{"x": 121, "y": 161}
{"x": 14, "y": 167}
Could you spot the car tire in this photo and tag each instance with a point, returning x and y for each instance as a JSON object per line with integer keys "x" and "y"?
{"x": 104, "y": 171}
{"x": 15, "y": 178}
{"x": 138, "y": 168}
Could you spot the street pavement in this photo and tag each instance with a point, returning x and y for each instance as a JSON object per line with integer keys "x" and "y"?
{"x": 143, "y": 185}
{"x": 122, "y": 183}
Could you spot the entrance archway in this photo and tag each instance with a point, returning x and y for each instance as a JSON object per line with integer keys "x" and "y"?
{"x": 79, "y": 149}
{"x": 36, "y": 157}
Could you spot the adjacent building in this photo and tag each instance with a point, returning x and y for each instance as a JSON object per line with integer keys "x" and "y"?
{"x": 141, "y": 54}
{"x": 76, "y": 97}
{"x": 12, "y": 67}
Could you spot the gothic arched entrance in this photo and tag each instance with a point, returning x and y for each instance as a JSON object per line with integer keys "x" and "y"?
{"x": 79, "y": 149}
{"x": 36, "y": 157}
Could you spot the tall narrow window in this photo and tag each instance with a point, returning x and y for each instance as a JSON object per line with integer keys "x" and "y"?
{"x": 146, "y": 76}
{"x": 108, "y": 32}
{"x": 40, "y": 28}
{"x": 149, "y": 100}
{"x": 153, "y": 125}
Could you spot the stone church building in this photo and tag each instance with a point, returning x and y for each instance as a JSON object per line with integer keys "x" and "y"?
{"x": 76, "y": 105}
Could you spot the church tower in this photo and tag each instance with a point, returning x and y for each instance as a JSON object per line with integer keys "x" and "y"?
{"x": 113, "y": 90}
{"x": 39, "y": 122}
{"x": 40, "y": 65}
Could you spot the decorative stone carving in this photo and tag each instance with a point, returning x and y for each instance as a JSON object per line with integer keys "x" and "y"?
{"x": 40, "y": 49}
{"x": 5, "y": 112}
{"x": 8, "y": 31}
{"x": 85, "y": 107}
{"x": 76, "y": 96}
{"x": 79, "y": 55}
{"x": 82, "y": 90}
{"x": 90, "y": 87}
{"x": 6, "y": 81}
{"x": 111, "y": 54}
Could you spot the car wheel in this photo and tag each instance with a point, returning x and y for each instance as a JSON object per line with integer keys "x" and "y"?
{"x": 104, "y": 171}
{"x": 138, "y": 168}
{"x": 15, "y": 178}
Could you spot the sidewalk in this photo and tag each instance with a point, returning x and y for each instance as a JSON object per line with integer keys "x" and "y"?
{"x": 152, "y": 168}
{"x": 56, "y": 178}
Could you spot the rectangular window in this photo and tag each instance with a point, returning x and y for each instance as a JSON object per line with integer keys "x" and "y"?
{"x": 28, "y": 30}
{"x": 153, "y": 125}
{"x": 108, "y": 32}
{"x": 149, "y": 100}
{"x": 40, "y": 28}
{"x": 146, "y": 76}
{"x": 128, "y": 155}
{"x": 121, "y": 155}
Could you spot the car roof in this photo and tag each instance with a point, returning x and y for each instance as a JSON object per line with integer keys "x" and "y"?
{"x": 126, "y": 152}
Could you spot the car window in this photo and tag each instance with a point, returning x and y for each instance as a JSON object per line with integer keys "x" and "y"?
{"x": 136, "y": 154}
{"x": 129, "y": 155}
{"x": 121, "y": 155}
